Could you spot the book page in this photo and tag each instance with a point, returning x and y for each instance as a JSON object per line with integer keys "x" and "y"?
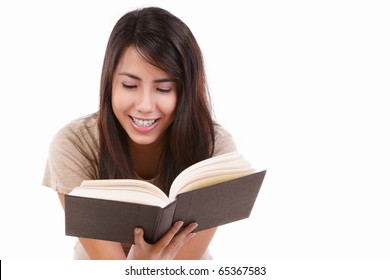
{"x": 222, "y": 165}
{"x": 213, "y": 180}
{"x": 209, "y": 174}
{"x": 123, "y": 195}
{"x": 126, "y": 184}
{"x": 125, "y": 190}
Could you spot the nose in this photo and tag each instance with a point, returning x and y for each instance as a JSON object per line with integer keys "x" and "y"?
{"x": 145, "y": 102}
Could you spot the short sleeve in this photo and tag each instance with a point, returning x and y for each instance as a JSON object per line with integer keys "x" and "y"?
{"x": 224, "y": 142}
{"x": 72, "y": 157}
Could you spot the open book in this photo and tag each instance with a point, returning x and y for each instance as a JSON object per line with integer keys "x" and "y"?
{"x": 212, "y": 192}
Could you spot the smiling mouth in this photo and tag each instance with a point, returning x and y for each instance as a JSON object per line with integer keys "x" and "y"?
{"x": 143, "y": 123}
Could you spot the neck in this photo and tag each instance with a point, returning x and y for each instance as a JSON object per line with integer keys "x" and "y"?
{"x": 146, "y": 158}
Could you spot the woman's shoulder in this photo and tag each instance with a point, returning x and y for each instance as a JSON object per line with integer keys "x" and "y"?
{"x": 80, "y": 130}
{"x": 224, "y": 141}
{"x": 77, "y": 140}
{"x": 73, "y": 155}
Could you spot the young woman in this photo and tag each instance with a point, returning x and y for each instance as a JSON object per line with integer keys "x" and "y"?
{"x": 154, "y": 121}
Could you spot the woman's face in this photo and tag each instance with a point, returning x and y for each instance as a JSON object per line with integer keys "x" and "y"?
{"x": 143, "y": 98}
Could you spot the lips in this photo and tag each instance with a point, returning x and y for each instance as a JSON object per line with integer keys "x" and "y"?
{"x": 144, "y": 122}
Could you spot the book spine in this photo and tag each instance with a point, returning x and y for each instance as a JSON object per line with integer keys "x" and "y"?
{"x": 164, "y": 221}
{"x": 183, "y": 209}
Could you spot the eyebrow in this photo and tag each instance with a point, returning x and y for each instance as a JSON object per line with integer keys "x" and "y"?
{"x": 139, "y": 79}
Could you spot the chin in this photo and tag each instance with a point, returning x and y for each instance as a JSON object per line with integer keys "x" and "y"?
{"x": 143, "y": 140}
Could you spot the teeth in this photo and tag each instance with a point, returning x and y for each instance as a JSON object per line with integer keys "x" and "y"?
{"x": 144, "y": 123}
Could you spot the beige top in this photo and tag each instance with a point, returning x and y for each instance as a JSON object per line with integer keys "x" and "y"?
{"x": 73, "y": 155}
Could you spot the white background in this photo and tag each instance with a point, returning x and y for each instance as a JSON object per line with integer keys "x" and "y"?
{"x": 302, "y": 85}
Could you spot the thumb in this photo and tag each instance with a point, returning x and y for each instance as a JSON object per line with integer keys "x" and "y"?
{"x": 139, "y": 237}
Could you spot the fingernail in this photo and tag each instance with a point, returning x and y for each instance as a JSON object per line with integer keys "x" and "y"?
{"x": 191, "y": 235}
{"x": 180, "y": 223}
{"x": 137, "y": 230}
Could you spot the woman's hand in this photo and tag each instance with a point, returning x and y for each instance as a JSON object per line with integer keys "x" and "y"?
{"x": 164, "y": 249}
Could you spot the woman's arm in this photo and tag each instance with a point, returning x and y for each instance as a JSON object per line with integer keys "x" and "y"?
{"x": 174, "y": 244}
{"x": 195, "y": 248}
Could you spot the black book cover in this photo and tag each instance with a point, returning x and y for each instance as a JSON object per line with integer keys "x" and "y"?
{"x": 209, "y": 206}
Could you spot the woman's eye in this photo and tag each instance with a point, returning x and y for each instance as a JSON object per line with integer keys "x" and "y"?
{"x": 128, "y": 86}
{"x": 164, "y": 90}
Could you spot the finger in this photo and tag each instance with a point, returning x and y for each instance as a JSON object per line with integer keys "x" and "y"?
{"x": 188, "y": 229}
{"x": 139, "y": 237}
{"x": 185, "y": 232}
{"x": 183, "y": 235}
{"x": 166, "y": 239}
{"x": 189, "y": 236}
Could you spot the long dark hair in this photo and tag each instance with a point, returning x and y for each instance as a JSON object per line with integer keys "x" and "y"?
{"x": 167, "y": 43}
